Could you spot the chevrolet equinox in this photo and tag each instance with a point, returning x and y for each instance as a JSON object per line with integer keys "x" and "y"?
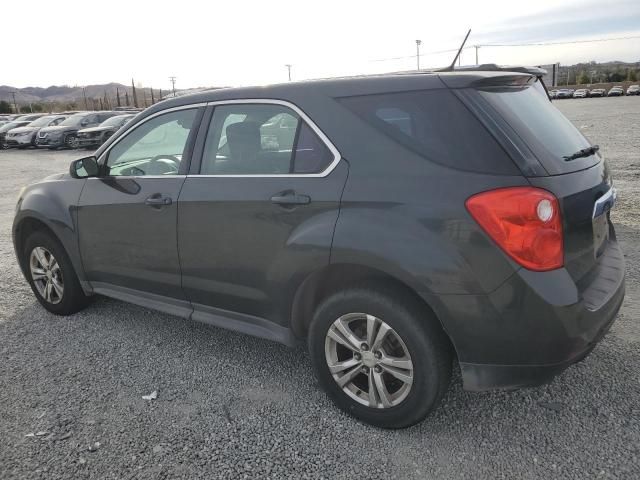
{"x": 396, "y": 223}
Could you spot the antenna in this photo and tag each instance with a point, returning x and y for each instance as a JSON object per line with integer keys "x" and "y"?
{"x": 451, "y": 67}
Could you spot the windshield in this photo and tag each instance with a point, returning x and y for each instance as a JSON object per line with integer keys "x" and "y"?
{"x": 115, "y": 121}
{"x": 11, "y": 125}
{"x": 73, "y": 120}
{"x": 41, "y": 122}
{"x": 545, "y": 130}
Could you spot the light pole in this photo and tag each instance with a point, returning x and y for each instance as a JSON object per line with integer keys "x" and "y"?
{"x": 477, "y": 47}
{"x": 288, "y": 65}
{"x": 418, "y": 43}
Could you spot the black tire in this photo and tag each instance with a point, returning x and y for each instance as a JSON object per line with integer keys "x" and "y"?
{"x": 427, "y": 344}
{"x": 71, "y": 141}
{"x": 73, "y": 297}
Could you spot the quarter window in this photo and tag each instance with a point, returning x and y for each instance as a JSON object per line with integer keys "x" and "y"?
{"x": 156, "y": 147}
{"x": 436, "y": 125}
{"x": 261, "y": 139}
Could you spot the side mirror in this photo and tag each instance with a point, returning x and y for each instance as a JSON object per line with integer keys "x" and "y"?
{"x": 84, "y": 168}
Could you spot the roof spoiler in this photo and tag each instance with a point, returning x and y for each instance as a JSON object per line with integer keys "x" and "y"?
{"x": 492, "y": 67}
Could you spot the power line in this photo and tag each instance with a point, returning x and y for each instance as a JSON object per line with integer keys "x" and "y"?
{"x": 537, "y": 44}
{"x": 414, "y": 56}
{"x": 533, "y": 44}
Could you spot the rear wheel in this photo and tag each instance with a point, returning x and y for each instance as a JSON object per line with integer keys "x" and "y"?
{"x": 51, "y": 275}
{"x": 380, "y": 356}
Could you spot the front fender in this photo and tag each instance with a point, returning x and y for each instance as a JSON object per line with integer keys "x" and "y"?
{"x": 52, "y": 203}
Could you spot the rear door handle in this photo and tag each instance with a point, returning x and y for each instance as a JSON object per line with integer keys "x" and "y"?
{"x": 157, "y": 200}
{"x": 291, "y": 199}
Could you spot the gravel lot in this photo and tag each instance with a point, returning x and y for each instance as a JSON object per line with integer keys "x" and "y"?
{"x": 232, "y": 406}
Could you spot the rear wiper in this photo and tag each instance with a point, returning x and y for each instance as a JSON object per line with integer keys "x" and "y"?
{"x": 585, "y": 152}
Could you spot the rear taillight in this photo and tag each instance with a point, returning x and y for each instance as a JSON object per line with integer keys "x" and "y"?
{"x": 525, "y": 222}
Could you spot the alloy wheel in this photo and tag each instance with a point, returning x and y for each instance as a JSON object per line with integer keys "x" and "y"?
{"x": 72, "y": 141}
{"x": 46, "y": 275}
{"x": 368, "y": 360}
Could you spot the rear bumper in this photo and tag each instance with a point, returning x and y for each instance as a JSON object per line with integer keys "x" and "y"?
{"x": 533, "y": 326}
{"x": 478, "y": 377}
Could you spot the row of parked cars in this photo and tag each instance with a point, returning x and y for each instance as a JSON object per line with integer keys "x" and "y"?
{"x": 67, "y": 129}
{"x": 616, "y": 91}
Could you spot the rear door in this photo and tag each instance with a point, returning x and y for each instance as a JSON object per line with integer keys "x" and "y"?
{"x": 257, "y": 214}
{"x": 127, "y": 216}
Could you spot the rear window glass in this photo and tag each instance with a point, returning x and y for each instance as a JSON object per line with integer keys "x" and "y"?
{"x": 547, "y": 132}
{"x": 436, "y": 125}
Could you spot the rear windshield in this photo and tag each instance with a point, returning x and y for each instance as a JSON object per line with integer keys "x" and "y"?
{"x": 73, "y": 120}
{"x": 545, "y": 130}
{"x": 436, "y": 125}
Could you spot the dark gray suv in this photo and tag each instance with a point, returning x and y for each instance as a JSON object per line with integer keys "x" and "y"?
{"x": 394, "y": 223}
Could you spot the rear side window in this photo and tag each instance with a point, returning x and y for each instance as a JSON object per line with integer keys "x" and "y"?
{"x": 436, "y": 125}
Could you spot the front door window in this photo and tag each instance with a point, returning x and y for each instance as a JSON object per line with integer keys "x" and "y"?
{"x": 156, "y": 147}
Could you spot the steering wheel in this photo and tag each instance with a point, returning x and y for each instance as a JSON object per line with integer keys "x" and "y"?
{"x": 162, "y": 165}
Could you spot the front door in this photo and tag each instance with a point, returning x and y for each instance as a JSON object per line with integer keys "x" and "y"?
{"x": 127, "y": 217}
{"x": 258, "y": 215}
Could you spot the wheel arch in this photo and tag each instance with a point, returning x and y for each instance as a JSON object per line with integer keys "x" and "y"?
{"x": 335, "y": 277}
{"x": 23, "y": 229}
{"x": 28, "y": 224}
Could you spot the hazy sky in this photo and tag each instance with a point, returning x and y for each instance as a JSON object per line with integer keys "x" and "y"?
{"x": 209, "y": 43}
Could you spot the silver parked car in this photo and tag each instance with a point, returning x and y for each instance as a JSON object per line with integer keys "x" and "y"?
{"x": 23, "y": 137}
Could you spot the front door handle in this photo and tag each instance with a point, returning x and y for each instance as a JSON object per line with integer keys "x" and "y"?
{"x": 157, "y": 200}
{"x": 291, "y": 198}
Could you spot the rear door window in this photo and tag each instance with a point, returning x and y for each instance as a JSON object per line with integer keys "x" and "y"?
{"x": 436, "y": 125}
{"x": 545, "y": 130}
{"x": 262, "y": 139}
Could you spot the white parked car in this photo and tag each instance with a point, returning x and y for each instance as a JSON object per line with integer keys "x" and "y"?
{"x": 581, "y": 93}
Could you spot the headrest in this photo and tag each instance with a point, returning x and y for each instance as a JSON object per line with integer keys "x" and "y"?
{"x": 243, "y": 139}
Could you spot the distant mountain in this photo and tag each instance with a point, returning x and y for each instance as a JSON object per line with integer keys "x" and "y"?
{"x": 65, "y": 93}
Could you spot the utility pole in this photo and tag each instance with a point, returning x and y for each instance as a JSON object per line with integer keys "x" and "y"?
{"x": 418, "y": 43}
{"x": 288, "y": 65}
{"x": 84, "y": 94}
{"x": 15, "y": 105}
{"x": 153, "y": 100}
{"x": 118, "y": 96}
{"x": 173, "y": 84}
{"x": 477, "y": 47}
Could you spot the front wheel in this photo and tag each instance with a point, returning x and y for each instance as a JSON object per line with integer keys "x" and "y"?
{"x": 380, "y": 356}
{"x": 71, "y": 141}
{"x": 51, "y": 275}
